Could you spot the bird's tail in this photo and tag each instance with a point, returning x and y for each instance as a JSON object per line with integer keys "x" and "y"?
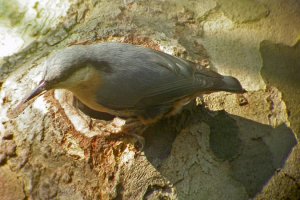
{"x": 231, "y": 84}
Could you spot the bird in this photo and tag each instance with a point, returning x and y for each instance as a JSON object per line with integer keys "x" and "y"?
{"x": 133, "y": 82}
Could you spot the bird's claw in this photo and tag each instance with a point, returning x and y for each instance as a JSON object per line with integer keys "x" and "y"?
{"x": 140, "y": 139}
{"x": 134, "y": 128}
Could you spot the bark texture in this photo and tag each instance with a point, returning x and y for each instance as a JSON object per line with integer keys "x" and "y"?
{"x": 225, "y": 146}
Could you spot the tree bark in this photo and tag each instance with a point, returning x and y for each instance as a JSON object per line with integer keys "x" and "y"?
{"x": 227, "y": 146}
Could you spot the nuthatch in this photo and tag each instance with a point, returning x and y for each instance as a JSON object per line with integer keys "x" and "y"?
{"x": 130, "y": 81}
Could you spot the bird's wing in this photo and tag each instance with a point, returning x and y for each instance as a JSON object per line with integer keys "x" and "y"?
{"x": 184, "y": 79}
{"x": 154, "y": 79}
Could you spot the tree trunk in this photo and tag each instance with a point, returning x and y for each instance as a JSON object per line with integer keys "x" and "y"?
{"x": 225, "y": 146}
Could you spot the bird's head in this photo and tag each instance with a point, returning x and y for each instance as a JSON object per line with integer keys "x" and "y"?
{"x": 60, "y": 70}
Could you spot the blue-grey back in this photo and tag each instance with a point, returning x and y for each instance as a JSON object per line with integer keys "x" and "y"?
{"x": 141, "y": 77}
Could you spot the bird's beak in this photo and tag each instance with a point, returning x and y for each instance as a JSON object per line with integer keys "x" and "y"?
{"x": 36, "y": 92}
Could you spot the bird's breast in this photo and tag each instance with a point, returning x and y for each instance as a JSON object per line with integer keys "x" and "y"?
{"x": 87, "y": 96}
{"x": 86, "y": 90}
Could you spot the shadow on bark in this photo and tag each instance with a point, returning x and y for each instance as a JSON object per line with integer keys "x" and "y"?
{"x": 252, "y": 151}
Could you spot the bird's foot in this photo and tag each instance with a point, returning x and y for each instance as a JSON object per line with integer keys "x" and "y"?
{"x": 134, "y": 128}
{"x": 140, "y": 140}
{"x": 132, "y": 124}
